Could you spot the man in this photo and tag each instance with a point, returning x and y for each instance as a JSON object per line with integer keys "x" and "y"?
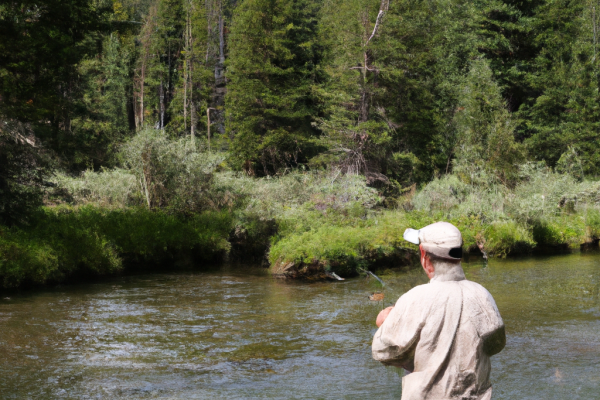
{"x": 443, "y": 333}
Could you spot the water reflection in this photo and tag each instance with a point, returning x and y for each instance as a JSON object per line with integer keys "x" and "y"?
{"x": 235, "y": 334}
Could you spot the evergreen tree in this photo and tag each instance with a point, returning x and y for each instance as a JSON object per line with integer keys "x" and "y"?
{"x": 392, "y": 88}
{"x": 562, "y": 115}
{"x": 486, "y": 142}
{"x": 273, "y": 66}
{"x": 354, "y": 127}
{"x": 193, "y": 89}
{"x": 41, "y": 45}
{"x": 104, "y": 119}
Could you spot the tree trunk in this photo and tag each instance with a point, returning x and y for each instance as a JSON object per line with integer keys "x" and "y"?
{"x": 161, "y": 95}
{"x": 220, "y": 64}
{"x": 185, "y": 68}
{"x": 142, "y": 82}
{"x": 130, "y": 108}
{"x": 208, "y": 126}
{"x": 221, "y": 38}
{"x": 364, "y": 110}
{"x": 190, "y": 74}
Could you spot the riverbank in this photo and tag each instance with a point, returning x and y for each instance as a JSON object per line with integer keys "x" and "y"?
{"x": 71, "y": 243}
{"x": 304, "y": 224}
{"x": 377, "y": 241}
{"x": 66, "y": 243}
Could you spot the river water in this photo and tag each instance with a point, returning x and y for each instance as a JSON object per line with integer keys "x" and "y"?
{"x": 237, "y": 333}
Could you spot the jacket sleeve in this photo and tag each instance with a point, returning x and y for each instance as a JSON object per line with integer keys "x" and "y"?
{"x": 395, "y": 341}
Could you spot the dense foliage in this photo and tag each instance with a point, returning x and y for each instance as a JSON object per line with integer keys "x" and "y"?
{"x": 386, "y": 88}
{"x": 323, "y": 127}
{"x": 382, "y": 88}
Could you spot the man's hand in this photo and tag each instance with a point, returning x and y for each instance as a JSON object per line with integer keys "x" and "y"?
{"x": 383, "y": 315}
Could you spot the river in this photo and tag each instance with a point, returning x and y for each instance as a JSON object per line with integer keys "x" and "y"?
{"x": 237, "y": 333}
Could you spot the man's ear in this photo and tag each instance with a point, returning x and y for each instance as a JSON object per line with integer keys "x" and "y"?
{"x": 426, "y": 263}
{"x": 422, "y": 251}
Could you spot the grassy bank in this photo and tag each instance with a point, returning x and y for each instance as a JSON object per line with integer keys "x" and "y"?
{"x": 66, "y": 242}
{"x": 544, "y": 211}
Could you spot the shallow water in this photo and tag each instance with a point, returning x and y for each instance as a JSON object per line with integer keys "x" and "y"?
{"x": 237, "y": 333}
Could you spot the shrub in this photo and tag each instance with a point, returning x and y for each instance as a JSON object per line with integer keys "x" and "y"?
{"x": 541, "y": 192}
{"x": 274, "y": 197}
{"x": 171, "y": 173}
{"x": 454, "y": 198}
{"x": 159, "y": 172}
{"x": 115, "y": 187}
{"x": 52, "y": 253}
{"x": 560, "y": 231}
{"x": 592, "y": 222}
{"x": 544, "y": 208}
{"x": 24, "y": 259}
{"x": 272, "y": 208}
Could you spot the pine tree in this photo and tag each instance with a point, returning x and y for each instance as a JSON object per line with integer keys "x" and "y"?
{"x": 390, "y": 68}
{"x": 41, "y": 45}
{"x": 353, "y": 131}
{"x": 104, "y": 117}
{"x": 562, "y": 115}
{"x": 273, "y": 66}
{"x": 486, "y": 143}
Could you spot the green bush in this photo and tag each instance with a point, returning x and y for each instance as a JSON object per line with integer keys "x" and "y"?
{"x": 592, "y": 222}
{"x": 545, "y": 208}
{"x": 24, "y": 259}
{"x": 171, "y": 173}
{"x": 454, "y": 198}
{"x": 322, "y": 217}
{"x": 159, "y": 172}
{"x": 560, "y": 231}
{"x": 116, "y": 187}
{"x": 274, "y": 197}
{"x": 42, "y": 256}
{"x": 275, "y": 207}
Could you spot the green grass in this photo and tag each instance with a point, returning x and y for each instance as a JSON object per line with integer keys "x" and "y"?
{"x": 345, "y": 243}
{"x": 63, "y": 242}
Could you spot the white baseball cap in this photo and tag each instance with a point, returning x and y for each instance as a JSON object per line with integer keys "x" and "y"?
{"x": 442, "y": 239}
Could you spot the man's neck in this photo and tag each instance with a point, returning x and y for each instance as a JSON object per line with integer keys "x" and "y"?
{"x": 448, "y": 272}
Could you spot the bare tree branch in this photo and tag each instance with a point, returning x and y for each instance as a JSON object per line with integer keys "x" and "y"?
{"x": 368, "y": 69}
{"x": 385, "y": 4}
{"x": 377, "y": 21}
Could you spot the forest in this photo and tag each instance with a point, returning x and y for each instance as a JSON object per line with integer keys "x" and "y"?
{"x": 302, "y": 134}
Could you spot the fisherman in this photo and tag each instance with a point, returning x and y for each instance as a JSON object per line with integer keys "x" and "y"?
{"x": 444, "y": 332}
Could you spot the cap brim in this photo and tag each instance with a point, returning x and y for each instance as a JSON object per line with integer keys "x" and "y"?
{"x": 411, "y": 235}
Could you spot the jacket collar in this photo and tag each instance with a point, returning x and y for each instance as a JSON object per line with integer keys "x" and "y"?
{"x": 448, "y": 272}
